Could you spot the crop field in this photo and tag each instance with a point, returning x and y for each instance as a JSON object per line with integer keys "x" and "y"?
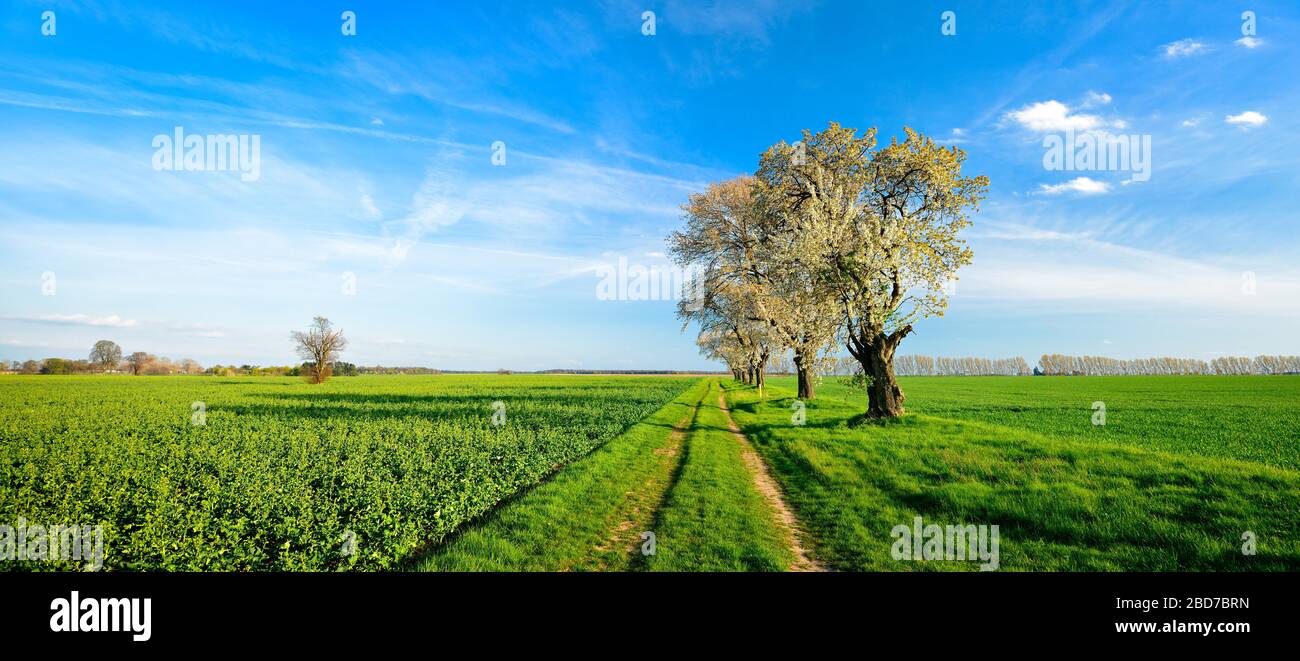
{"x": 570, "y": 473}
{"x": 281, "y": 474}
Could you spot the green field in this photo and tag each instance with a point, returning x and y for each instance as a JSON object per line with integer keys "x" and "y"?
{"x": 415, "y": 470}
{"x": 677, "y": 474}
{"x": 1178, "y": 473}
{"x": 283, "y": 470}
{"x": 1255, "y": 418}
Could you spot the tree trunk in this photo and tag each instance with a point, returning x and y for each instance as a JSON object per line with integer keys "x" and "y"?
{"x": 875, "y": 353}
{"x": 884, "y": 397}
{"x": 803, "y": 368}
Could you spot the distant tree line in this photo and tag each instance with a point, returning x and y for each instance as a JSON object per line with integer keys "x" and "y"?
{"x": 647, "y": 372}
{"x": 380, "y": 369}
{"x": 147, "y": 364}
{"x": 338, "y": 368}
{"x": 106, "y": 358}
{"x": 965, "y": 366}
{"x": 1059, "y": 365}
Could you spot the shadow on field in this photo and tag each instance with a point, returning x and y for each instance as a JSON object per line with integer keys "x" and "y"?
{"x": 470, "y": 416}
{"x": 536, "y": 395}
{"x": 415, "y": 558}
{"x": 449, "y": 406}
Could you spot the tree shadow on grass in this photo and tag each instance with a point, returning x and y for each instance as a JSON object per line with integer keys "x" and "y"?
{"x": 864, "y": 420}
{"x": 415, "y": 559}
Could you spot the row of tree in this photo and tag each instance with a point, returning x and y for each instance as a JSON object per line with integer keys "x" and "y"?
{"x": 1057, "y": 365}
{"x": 833, "y": 242}
{"x": 106, "y": 356}
{"x": 337, "y": 368}
{"x": 964, "y": 366}
{"x": 320, "y": 345}
{"x": 148, "y": 364}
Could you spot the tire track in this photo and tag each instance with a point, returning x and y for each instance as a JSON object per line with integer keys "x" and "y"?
{"x": 767, "y": 487}
{"x": 641, "y": 505}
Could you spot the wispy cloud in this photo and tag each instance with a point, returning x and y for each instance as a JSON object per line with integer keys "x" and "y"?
{"x": 449, "y": 82}
{"x": 1183, "y": 48}
{"x": 752, "y": 19}
{"x": 197, "y": 330}
{"x": 112, "y": 320}
{"x": 368, "y": 206}
{"x": 1072, "y": 268}
{"x": 1097, "y": 99}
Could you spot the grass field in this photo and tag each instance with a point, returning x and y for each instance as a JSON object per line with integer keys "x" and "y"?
{"x": 415, "y": 470}
{"x": 1256, "y": 418}
{"x": 1141, "y": 493}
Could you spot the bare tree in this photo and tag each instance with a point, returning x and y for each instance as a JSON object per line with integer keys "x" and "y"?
{"x": 321, "y": 346}
{"x": 139, "y": 362}
{"x": 106, "y": 355}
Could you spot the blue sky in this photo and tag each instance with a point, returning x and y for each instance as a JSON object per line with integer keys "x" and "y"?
{"x": 376, "y": 161}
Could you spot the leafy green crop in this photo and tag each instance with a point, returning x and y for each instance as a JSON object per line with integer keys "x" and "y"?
{"x": 281, "y": 471}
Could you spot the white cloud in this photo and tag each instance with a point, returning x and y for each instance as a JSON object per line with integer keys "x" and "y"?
{"x": 1246, "y": 119}
{"x": 1048, "y": 116}
{"x": 1183, "y": 48}
{"x": 1249, "y": 42}
{"x": 1191, "y": 122}
{"x": 375, "y": 121}
{"x": 1083, "y": 185}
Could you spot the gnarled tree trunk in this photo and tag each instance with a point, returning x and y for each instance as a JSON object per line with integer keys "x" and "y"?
{"x": 884, "y": 397}
{"x": 875, "y": 353}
